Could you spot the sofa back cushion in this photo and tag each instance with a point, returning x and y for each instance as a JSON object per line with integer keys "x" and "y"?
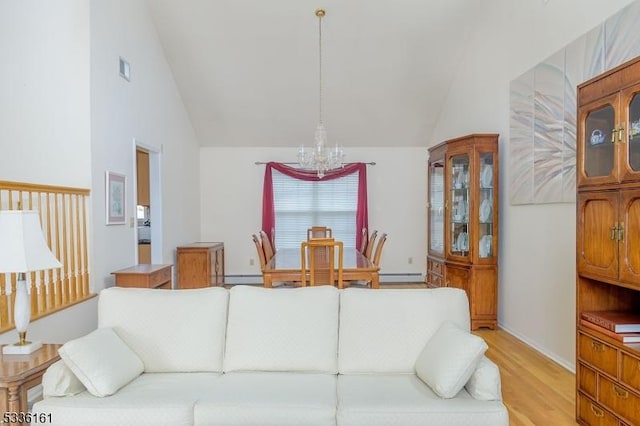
{"x": 289, "y": 329}
{"x": 384, "y": 331}
{"x": 170, "y": 330}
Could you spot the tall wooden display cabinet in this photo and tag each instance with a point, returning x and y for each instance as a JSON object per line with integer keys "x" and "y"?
{"x": 463, "y": 222}
{"x": 608, "y": 243}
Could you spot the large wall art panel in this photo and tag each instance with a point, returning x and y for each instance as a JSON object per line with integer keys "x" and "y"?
{"x": 622, "y": 38}
{"x": 584, "y": 59}
{"x": 520, "y": 146}
{"x": 551, "y": 171}
{"x": 548, "y": 125}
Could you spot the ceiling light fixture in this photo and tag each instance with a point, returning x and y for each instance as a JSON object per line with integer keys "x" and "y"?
{"x": 320, "y": 158}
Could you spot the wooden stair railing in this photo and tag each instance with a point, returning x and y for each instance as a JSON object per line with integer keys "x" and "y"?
{"x": 63, "y": 217}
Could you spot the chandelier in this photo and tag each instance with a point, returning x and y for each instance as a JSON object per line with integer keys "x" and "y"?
{"x": 320, "y": 158}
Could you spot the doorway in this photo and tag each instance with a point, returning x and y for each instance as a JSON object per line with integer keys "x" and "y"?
{"x": 148, "y": 235}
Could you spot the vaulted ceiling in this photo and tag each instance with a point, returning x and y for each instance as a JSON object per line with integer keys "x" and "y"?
{"x": 247, "y": 70}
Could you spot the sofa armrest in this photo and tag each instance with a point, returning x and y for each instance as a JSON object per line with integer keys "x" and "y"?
{"x": 485, "y": 383}
{"x": 59, "y": 380}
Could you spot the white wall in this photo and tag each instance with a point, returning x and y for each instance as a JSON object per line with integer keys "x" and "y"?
{"x": 148, "y": 109}
{"x": 66, "y": 117}
{"x": 44, "y": 117}
{"x": 231, "y": 202}
{"x": 537, "y": 253}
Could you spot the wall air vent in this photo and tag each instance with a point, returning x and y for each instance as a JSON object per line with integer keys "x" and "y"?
{"x": 125, "y": 70}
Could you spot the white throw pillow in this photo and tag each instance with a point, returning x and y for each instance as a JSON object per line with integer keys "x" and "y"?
{"x": 59, "y": 380}
{"x": 101, "y": 361}
{"x": 449, "y": 358}
{"x": 484, "y": 383}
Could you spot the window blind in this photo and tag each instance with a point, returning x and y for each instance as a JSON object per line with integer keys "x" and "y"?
{"x": 300, "y": 204}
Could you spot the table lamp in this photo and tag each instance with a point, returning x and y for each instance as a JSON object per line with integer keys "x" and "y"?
{"x": 23, "y": 249}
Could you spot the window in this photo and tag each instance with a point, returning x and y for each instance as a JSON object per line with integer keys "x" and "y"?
{"x": 338, "y": 201}
{"x": 300, "y": 204}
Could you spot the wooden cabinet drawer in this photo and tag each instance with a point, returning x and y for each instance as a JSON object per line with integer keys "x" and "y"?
{"x": 587, "y": 381}
{"x": 434, "y": 280}
{"x": 619, "y": 400}
{"x": 630, "y": 371}
{"x": 592, "y": 414}
{"x": 435, "y": 267}
{"x": 599, "y": 354}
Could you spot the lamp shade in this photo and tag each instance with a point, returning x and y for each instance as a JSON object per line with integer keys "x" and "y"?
{"x": 22, "y": 245}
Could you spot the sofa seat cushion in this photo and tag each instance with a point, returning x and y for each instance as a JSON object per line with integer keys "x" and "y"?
{"x": 154, "y": 399}
{"x": 384, "y": 331}
{"x": 171, "y": 331}
{"x": 269, "y": 399}
{"x": 291, "y": 330}
{"x": 404, "y": 400}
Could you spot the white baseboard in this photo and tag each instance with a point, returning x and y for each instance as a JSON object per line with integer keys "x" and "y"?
{"x": 569, "y": 365}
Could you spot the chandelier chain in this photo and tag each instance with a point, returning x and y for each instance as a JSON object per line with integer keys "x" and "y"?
{"x": 320, "y": 65}
{"x": 320, "y": 158}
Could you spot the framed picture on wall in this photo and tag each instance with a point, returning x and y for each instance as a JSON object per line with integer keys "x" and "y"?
{"x": 115, "y": 198}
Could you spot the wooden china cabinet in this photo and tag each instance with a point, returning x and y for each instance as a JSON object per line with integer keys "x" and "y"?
{"x": 463, "y": 222}
{"x": 608, "y": 243}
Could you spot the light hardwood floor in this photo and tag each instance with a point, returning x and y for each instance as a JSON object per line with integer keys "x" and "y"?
{"x": 535, "y": 389}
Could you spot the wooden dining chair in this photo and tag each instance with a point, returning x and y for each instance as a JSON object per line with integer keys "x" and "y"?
{"x": 378, "y": 252}
{"x": 319, "y": 256}
{"x": 371, "y": 244}
{"x": 319, "y": 232}
{"x": 266, "y": 246}
{"x": 365, "y": 240}
{"x": 260, "y": 250}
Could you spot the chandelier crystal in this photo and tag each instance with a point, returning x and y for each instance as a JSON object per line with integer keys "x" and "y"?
{"x": 320, "y": 158}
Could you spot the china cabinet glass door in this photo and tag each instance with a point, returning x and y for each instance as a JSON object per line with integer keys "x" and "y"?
{"x": 436, "y": 207}
{"x": 599, "y": 148}
{"x": 633, "y": 147}
{"x": 486, "y": 206}
{"x": 459, "y": 209}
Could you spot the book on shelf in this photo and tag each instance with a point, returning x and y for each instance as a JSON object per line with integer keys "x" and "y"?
{"x": 621, "y": 337}
{"x": 616, "y": 321}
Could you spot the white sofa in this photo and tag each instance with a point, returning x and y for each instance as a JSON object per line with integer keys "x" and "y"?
{"x": 255, "y": 356}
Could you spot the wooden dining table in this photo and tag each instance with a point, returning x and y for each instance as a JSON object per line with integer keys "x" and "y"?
{"x": 285, "y": 265}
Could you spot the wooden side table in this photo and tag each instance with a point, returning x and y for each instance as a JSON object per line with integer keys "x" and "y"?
{"x": 144, "y": 276}
{"x": 19, "y": 373}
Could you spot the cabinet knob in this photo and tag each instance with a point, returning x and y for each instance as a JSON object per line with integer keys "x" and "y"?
{"x": 620, "y": 133}
{"x": 613, "y": 135}
{"x": 596, "y": 411}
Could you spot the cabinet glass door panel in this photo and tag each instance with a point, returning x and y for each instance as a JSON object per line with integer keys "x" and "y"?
{"x": 633, "y": 126}
{"x": 459, "y": 209}
{"x": 486, "y": 205}
{"x": 436, "y": 207}
{"x": 599, "y": 151}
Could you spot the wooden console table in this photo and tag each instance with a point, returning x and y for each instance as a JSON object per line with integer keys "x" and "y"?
{"x": 19, "y": 373}
{"x": 144, "y": 276}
